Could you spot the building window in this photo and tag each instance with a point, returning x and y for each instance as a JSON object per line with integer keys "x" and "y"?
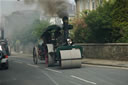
{"x": 100, "y": 2}
{"x": 93, "y": 4}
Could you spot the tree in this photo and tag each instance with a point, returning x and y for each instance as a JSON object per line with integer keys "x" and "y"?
{"x": 99, "y": 23}
{"x": 108, "y": 23}
{"x": 120, "y": 21}
{"x": 31, "y": 33}
{"x": 40, "y": 27}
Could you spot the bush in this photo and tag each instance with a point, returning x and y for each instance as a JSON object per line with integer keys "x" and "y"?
{"x": 109, "y": 23}
{"x": 99, "y": 23}
{"x": 79, "y": 32}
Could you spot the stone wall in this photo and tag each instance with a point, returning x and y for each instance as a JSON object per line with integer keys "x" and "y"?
{"x": 113, "y": 51}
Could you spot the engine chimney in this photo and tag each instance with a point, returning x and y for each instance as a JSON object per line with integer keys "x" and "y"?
{"x": 65, "y": 27}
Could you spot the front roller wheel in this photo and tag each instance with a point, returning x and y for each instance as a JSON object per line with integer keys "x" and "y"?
{"x": 35, "y": 55}
{"x": 70, "y": 58}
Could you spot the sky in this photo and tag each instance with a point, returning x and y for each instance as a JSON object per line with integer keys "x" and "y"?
{"x": 9, "y": 6}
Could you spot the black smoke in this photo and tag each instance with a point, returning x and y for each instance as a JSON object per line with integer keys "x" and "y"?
{"x": 51, "y": 7}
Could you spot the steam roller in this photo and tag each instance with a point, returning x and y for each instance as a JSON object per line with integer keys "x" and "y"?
{"x": 70, "y": 56}
{"x": 56, "y": 47}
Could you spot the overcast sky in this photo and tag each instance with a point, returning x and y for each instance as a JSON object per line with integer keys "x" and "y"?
{"x": 9, "y": 6}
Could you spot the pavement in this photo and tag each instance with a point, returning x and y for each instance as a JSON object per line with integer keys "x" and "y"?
{"x": 105, "y": 62}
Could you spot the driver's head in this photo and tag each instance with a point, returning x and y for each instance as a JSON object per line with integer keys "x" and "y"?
{"x": 65, "y": 19}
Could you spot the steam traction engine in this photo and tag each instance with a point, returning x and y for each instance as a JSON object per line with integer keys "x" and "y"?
{"x": 55, "y": 46}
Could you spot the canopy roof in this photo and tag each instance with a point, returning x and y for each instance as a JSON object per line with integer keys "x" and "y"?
{"x": 51, "y": 28}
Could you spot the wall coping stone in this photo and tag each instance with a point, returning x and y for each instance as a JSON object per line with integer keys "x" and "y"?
{"x": 102, "y": 44}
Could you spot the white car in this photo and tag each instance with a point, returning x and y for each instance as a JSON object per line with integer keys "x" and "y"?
{"x": 3, "y": 59}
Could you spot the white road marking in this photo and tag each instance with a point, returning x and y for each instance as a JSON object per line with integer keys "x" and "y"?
{"x": 32, "y": 65}
{"x": 50, "y": 78}
{"x": 82, "y": 79}
{"x": 107, "y": 66}
{"x": 53, "y": 70}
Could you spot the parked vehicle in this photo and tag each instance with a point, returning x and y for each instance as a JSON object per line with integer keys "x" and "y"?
{"x": 4, "y": 42}
{"x": 3, "y": 59}
{"x": 6, "y": 47}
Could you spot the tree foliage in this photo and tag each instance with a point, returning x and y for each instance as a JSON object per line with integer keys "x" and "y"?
{"x": 39, "y": 28}
{"x": 31, "y": 33}
{"x": 79, "y": 31}
{"x": 120, "y": 20}
{"x": 99, "y": 23}
{"x": 107, "y": 24}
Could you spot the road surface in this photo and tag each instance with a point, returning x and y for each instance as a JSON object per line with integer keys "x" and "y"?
{"x": 22, "y": 71}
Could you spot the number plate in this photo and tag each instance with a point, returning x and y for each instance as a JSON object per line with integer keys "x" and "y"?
{"x": 4, "y": 60}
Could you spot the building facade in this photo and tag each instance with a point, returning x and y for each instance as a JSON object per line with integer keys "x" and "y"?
{"x": 87, "y": 5}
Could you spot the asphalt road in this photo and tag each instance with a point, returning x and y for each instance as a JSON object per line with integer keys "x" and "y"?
{"x": 22, "y": 71}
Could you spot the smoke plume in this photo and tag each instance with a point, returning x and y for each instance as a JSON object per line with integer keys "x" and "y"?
{"x": 51, "y": 7}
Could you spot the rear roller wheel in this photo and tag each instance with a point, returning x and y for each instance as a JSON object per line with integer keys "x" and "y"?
{"x": 35, "y": 55}
{"x": 50, "y": 60}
